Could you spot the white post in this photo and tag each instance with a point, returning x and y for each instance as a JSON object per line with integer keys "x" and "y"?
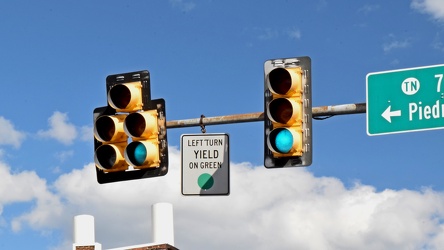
{"x": 84, "y": 229}
{"x": 84, "y": 232}
{"x": 163, "y": 226}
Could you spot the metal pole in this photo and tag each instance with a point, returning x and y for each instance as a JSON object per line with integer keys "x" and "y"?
{"x": 344, "y": 109}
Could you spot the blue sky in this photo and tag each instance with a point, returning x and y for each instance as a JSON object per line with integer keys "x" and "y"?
{"x": 206, "y": 57}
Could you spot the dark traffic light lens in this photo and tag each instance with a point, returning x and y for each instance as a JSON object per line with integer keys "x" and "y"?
{"x": 106, "y": 156}
{"x": 120, "y": 96}
{"x": 105, "y": 128}
{"x": 135, "y": 124}
{"x": 280, "y": 81}
{"x": 136, "y": 153}
{"x": 280, "y": 110}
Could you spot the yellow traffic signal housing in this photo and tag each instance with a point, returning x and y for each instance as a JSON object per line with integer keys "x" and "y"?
{"x": 126, "y": 97}
{"x": 108, "y": 130}
{"x": 143, "y": 127}
{"x": 130, "y": 139}
{"x": 288, "y": 128}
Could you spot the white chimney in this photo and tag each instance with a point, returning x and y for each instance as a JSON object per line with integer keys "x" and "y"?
{"x": 163, "y": 226}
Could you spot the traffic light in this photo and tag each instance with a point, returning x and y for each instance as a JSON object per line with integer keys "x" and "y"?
{"x": 130, "y": 135}
{"x": 288, "y": 118}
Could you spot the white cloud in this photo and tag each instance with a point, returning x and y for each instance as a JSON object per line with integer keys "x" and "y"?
{"x": 86, "y": 133}
{"x": 64, "y": 155}
{"x": 294, "y": 34}
{"x": 394, "y": 62}
{"x": 368, "y": 8}
{"x": 268, "y": 33}
{"x": 437, "y": 42}
{"x": 267, "y": 209}
{"x": 435, "y": 8}
{"x": 60, "y": 129}
{"x": 21, "y": 181}
{"x": 26, "y": 186}
{"x": 395, "y": 43}
{"x": 271, "y": 34}
{"x": 321, "y": 5}
{"x": 9, "y": 135}
{"x": 184, "y": 6}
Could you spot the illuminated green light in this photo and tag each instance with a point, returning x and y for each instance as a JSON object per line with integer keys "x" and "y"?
{"x": 284, "y": 141}
{"x": 137, "y": 153}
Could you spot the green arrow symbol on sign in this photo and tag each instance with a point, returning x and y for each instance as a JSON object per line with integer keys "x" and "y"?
{"x": 387, "y": 114}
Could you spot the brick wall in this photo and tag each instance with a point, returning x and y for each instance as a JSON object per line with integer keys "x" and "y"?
{"x": 157, "y": 247}
{"x": 86, "y": 248}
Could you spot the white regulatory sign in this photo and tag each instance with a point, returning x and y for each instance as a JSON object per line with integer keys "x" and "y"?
{"x": 205, "y": 164}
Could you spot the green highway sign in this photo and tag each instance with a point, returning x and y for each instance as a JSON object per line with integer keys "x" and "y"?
{"x": 405, "y": 100}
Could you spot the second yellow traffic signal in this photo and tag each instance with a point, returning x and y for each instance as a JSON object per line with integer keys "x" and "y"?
{"x": 130, "y": 132}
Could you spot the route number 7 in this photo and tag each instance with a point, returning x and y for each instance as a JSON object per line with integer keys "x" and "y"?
{"x": 439, "y": 76}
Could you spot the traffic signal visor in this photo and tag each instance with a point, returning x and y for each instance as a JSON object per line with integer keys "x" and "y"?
{"x": 126, "y": 97}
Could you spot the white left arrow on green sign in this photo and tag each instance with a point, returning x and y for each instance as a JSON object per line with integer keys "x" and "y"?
{"x": 388, "y": 114}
